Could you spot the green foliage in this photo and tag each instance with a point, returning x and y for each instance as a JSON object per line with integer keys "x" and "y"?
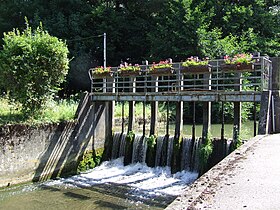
{"x": 237, "y": 141}
{"x": 194, "y": 61}
{"x": 130, "y": 136}
{"x": 161, "y": 65}
{"x": 205, "y": 151}
{"x": 100, "y": 70}
{"x": 153, "y": 30}
{"x": 151, "y": 141}
{"x": 32, "y": 66}
{"x": 89, "y": 161}
{"x": 53, "y": 112}
{"x": 129, "y": 67}
{"x": 243, "y": 58}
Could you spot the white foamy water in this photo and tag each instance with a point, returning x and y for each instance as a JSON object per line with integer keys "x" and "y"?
{"x": 138, "y": 180}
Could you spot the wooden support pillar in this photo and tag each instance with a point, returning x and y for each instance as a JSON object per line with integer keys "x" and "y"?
{"x": 167, "y": 118}
{"x": 108, "y": 130}
{"x": 179, "y": 119}
{"x": 109, "y": 86}
{"x": 131, "y": 116}
{"x": 237, "y": 109}
{"x": 176, "y": 155}
{"x": 154, "y": 110}
{"x": 179, "y": 109}
{"x": 237, "y": 120}
{"x": 206, "y": 109}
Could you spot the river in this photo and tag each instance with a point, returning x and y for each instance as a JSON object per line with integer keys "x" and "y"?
{"x": 108, "y": 186}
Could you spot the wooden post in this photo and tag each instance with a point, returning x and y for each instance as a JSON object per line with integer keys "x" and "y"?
{"x": 179, "y": 109}
{"x": 176, "y": 156}
{"x": 179, "y": 119}
{"x": 109, "y": 119}
{"x": 154, "y": 109}
{"x": 131, "y": 117}
{"x": 237, "y": 110}
{"x": 206, "y": 109}
{"x": 193, "y": 125}
{"x": 167, "y": 119}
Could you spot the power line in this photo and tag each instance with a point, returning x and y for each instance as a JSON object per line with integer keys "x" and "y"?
{"x": 85, "y": 38}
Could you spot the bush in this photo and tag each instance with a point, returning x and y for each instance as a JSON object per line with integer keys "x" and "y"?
{"x": 32, "y": 66}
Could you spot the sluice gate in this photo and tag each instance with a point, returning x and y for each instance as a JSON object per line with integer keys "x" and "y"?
{"x": 176, "y": 84}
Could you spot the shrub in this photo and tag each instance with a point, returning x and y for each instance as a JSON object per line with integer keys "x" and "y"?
{"x": 32, "y": 66}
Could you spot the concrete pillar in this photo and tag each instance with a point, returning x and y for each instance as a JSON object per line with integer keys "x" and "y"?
{"x": 276, "y": 91}
{"x": 206, "y": 109}
{"x": 264, "y": 120}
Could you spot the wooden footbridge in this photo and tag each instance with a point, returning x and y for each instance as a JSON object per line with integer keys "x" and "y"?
{"x": 216, "y": 83}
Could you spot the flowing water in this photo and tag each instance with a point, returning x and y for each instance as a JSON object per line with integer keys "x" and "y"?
{"x": 115, "y": 186}
{"x": 109, "y": 186}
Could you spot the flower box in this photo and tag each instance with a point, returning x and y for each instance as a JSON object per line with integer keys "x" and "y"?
{"x": 237, "y": 67}
{"x": 196, "y": 69}
{"x": 102, "y": 75}
{"x": 128, "y": 73}
{"x": 161, "y": 71}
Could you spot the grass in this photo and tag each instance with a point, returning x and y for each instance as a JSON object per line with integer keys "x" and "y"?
{"x": 54, "y": 111}
{"x": 138, "y": 112}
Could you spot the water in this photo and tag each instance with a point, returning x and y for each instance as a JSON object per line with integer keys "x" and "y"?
{"x": 139, "y": 149}
{"x": 109, "y": 186}
{"x": 115, "y": 186}
{"x": 247, "y": 130}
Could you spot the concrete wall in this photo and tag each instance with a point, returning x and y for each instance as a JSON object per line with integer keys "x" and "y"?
{"x": 47, "y": 151}
{"x": 22, "y": 148}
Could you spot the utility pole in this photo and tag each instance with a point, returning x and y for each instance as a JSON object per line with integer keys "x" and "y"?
{"x": 104, "y": 49}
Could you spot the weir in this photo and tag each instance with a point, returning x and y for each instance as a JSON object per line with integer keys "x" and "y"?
{"x": 216, "y": 83}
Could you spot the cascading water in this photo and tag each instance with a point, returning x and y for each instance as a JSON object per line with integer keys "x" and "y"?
{"x": 122, "y": 145}
{"x": 190, "y": 154}
{"x": 186, "y": 154}
{"x": 139, "y": 149}
{"x": 116, "y": 145}
{"x": 159, "y": 149}
{"x": 169, "y": 151}
{"x": 195, "y": 155}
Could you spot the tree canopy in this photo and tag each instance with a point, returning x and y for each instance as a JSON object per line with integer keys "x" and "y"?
{"x": 150, "y": 30}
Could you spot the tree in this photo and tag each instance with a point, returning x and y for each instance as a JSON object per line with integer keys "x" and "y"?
{"x": 32, "y": 66}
